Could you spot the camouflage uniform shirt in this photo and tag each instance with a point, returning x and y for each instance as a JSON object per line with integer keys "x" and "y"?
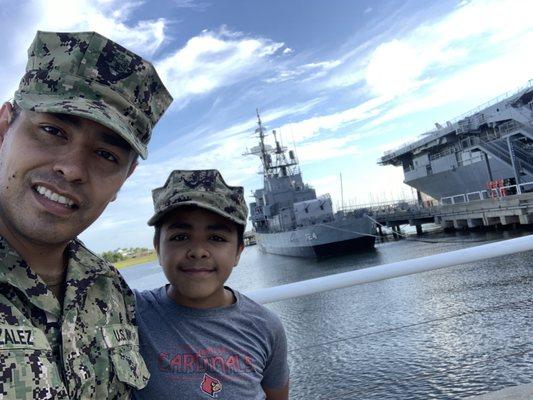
{"x": 88, "y": 349}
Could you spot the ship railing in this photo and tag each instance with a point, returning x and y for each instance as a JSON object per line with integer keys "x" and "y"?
{"x": 392, "y": 270}
{"x": 448, "y": 151}
{"x": 471, "y": 160}
{"x": 501, "y": 191}
{"x": 384, "y": 206}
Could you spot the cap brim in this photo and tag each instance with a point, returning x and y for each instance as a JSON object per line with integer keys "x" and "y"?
{"x": 156, "y": 218}
{"x": 97, "y": 111}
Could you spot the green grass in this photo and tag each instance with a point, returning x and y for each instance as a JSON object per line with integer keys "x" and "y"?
{"x": 130, "y": 262}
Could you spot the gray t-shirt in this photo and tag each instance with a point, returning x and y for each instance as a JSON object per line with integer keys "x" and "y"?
{"x": 228, "y": 352}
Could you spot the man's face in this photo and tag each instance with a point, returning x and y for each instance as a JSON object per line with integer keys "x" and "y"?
{"x": 57, "y": 174}
{"x": 198, "y": 250}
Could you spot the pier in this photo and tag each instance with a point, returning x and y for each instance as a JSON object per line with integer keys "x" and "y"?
{"x": 459, "y": 212}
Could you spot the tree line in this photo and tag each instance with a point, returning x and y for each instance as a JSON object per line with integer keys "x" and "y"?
{"x": 113, "y": 256}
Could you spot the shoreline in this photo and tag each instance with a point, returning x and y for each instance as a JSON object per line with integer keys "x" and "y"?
{"x": 132, "y": 262}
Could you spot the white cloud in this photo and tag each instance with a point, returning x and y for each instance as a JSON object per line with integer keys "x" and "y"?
{"x": 304, "y": 72}
{"x": 194, "y": 4}
{"x": 470, "y": 86}
{"x": 327, "y": 149}
{"x": 393, "y": 68}
{"x": 106, "y": 17}
{"x": 404, "y": 64}
{"x": 213, "y": 60}
{"x": 311, "y": 127}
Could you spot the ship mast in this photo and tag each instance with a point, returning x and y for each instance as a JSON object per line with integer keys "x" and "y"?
{"x": 281, "y": 166}
{"x": 265, "y": 159}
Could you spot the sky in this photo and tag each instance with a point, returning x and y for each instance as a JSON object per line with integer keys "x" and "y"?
{"x": 341, "y": 81}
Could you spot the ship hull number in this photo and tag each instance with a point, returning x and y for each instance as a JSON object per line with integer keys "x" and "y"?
{"x": 311, "y": 236}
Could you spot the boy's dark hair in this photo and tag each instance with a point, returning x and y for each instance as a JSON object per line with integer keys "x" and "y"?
{"x": 240, "y": 231}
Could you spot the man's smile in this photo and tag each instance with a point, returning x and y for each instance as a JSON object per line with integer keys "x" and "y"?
{"x": 54, "y": 201}
{"x": 54, "y": 196}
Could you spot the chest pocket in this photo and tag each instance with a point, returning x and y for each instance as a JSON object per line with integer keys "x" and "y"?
{"x": 28, "y": 369}
{"x": 122, "y": 342}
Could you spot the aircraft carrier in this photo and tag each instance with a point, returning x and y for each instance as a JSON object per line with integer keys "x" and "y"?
{"x": 475, "y": 156}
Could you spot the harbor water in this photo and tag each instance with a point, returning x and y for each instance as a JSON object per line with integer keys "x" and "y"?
{"x": 447, "y": 334}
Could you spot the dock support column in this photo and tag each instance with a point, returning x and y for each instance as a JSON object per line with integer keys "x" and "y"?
{"x": 396, "y": 232}
{"x": 419, "y": 197}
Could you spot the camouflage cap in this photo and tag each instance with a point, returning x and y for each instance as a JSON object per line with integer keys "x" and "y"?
{"x": 88, "y": 75}
{"x": 202, "y": 188}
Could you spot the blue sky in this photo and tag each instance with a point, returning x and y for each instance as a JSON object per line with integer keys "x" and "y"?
{"x": 342, "y": 80}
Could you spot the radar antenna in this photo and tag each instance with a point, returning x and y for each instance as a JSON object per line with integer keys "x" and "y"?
{"x": 281, "y": 166}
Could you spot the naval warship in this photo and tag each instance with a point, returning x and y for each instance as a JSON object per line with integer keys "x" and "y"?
{"x": 469, "y": 157}
{"x": 288, "y": 217}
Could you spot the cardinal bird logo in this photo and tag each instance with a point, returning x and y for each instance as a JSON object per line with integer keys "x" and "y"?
{"x": 210, "y": 385}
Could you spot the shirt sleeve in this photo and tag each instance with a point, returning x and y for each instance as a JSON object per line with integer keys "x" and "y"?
{"x": 276, "y": 373}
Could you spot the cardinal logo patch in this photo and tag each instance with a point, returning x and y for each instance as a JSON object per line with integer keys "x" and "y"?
{"x": 210, "y": 385}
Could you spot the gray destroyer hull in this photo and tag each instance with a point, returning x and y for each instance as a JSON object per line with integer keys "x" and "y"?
{"x": 321, "y": 240}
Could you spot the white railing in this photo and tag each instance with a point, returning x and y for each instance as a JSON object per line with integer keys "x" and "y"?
{"x": 502, "y": 191}
{"x": 393, "y": 270}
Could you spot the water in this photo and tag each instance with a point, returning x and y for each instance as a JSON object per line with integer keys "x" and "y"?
{"x": 446, "y": 334}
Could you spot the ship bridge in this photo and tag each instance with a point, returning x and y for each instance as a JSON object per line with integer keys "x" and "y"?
{"x": 492, "y": 144}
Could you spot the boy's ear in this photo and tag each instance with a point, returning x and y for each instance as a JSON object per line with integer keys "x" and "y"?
{"x": 132, "y": 168}
{"x": 156, "y": 246}
{"x": 239, "y": 252}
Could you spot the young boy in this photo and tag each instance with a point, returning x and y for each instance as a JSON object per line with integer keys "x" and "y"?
{"x": 199, "y": 338}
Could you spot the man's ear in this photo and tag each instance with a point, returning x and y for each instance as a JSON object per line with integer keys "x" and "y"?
{"x": 6, "y": 115}
{"x": 132, "y": 168}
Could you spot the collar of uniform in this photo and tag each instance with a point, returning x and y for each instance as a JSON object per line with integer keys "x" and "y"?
{"x": 83, "y": 263}
{"x": 16, "y": 272}
{"x": 82, "y": 269}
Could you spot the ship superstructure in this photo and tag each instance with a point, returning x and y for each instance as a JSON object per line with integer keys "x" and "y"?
{"x": 492, "y": 144}
{"x": 290, "y": 219}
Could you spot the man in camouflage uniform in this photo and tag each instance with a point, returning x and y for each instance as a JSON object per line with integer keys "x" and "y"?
{"x": 83, "y": 112}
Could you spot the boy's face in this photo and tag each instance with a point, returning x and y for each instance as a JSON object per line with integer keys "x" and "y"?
{"x": 198, "y": 250}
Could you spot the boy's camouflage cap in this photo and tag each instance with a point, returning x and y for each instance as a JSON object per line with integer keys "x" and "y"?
{"x": 202, "y": 188}
{"x": 88, "y": 75}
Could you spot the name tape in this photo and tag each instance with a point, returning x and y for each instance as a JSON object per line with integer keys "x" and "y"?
{"x": 18, "y": 337}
